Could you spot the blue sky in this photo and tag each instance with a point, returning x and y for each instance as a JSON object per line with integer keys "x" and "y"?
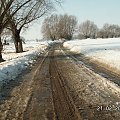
{"x": 99, "y": 11}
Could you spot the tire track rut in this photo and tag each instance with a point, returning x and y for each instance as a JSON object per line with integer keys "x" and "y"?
{"x": 63, "y": 104}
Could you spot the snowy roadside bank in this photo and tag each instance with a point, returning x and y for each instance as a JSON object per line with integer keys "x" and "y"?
{"x": 106, "y": 51}
{"x": 17, "y": 62}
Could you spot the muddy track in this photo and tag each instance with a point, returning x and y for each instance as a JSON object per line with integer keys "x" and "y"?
{"x": 55, "y": 102}
{"x": 40, "y": 106}
{"x": 41, "y": 95}
{"x": 97, "y": 67}
{"x": 63, "y": 104}
{"x": 97, "y": 111}
{"x": 55, "y": 89}
{"x": 59, "y": 105}
{"x": 20, "y": 97}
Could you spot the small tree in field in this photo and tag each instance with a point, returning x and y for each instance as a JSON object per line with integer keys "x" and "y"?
{"x": 110, "y": 30}
{"x": 88, "y": 29}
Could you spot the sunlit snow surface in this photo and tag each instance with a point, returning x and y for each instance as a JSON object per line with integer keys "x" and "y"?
{"x": 17, "y": 62}
{"x": 103, "y": 50}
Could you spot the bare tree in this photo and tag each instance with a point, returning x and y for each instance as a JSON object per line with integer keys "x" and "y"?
{"x": 5, "y": 7}
{"x": 67, "y": 26}
{"x": 100, "y": 34}
{"x": 27, "y": 14}
{"x": 88, "y": 29}
{"x": 3, "y": 20}
{"x": 110, "y": 30}
{"x": 105, "y": 29}
{"x": 11, "y": 12}
{"x": 50, "y": 27}
{"x": 59, "y": 26}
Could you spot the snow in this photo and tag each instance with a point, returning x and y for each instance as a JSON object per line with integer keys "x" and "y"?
{"x": 76, "y": 49}
{"x": 9, "y": 51}
{"x": 103, "y": 50}
{"x": 17, "y": 62}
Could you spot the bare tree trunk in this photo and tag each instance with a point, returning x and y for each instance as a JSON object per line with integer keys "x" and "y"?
{"x": 20, "y": 46}
{"x": 16, "y": 45}
{"x": 1, "y": 48}
{"x": 86, "y": 36}
{"x": 18, "y": 41}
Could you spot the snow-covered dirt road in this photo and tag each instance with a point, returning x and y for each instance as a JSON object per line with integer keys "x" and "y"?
{"x": 57, "y": 87}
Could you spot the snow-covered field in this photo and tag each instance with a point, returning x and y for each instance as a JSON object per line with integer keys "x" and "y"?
{"x": 17, "y": 62}
{"x": 102, "y": 50}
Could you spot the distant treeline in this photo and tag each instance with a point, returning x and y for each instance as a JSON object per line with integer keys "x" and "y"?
{"x": 64, "y": 26}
